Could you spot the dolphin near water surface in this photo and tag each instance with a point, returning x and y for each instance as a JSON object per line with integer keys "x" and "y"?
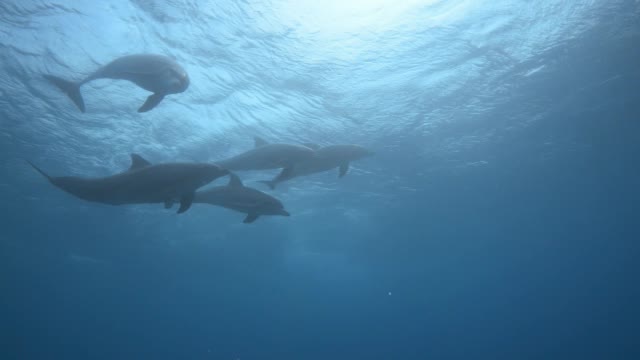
{"x": 156, "y": 73}
{"x": 265, "y": 156}
{"x": 236, "y": 196}
{"x": 142, "y": 183}
{"x": 324, "y": 159}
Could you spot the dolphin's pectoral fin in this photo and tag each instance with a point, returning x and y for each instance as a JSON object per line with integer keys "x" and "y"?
{"x": 343, "y": 169}
{"x": 285, "y": 173}
{"x": 168, "y": 204}
{"x": 185, "y": 202}
{"x": 152, "y": 101}
{"x": 251, "y": 217}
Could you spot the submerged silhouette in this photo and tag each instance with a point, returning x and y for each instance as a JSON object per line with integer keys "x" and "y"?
{"x": 265, "y": 156}
{"x": 156, "y": 73}
{"x": 142, "y": 183}
{"x": 236, "y": 196}
{"x": 325, "y": 158}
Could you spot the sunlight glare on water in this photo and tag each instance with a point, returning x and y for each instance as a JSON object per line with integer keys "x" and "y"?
{"x": 359, "y": 25}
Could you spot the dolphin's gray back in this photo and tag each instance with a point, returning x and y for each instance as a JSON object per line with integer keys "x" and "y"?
{"x": 271, "y": 156}
{"x": 243, "y": 199}
{"x": 325, "y": 159}
{"x": 340, "y": 152}
{"x": 143, "y": 64}
{"x": 148, "y": 71}
{"x": 151, "y": 184}
{"x": 94, "y": 190}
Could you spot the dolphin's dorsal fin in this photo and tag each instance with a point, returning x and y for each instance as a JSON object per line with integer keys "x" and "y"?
{"x": 234, "y": 180}
{"x": 312, "y": 146}
{"x": 259, "y": 142}
{"x": 138, "y": 162}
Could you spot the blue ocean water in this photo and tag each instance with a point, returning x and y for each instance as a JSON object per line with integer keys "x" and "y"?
{"x": 497, "y": 220}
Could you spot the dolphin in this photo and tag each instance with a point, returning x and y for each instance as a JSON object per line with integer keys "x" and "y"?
{"x": 159, "y": 74}
{"x": 142, "y": 183}
{"x": 236, "y": 196}
{"x": 325, "y": 158}
{"x": 266, "y": 156}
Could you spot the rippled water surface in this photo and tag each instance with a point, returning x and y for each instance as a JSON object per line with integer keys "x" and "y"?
{"x": 498, "y": 218}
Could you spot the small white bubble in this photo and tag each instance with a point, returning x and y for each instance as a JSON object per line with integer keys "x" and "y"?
{"x": 389, "y": 293}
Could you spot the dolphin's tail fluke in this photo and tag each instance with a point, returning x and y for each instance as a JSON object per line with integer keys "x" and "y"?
{"x": 270, "y": 183}
{"x": 72, "y": 89}
{"x": 39, "y": 170}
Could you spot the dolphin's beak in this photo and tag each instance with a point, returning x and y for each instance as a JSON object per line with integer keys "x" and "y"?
{"x": 185, "y": 81}
{"x": 283, "y": 212}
